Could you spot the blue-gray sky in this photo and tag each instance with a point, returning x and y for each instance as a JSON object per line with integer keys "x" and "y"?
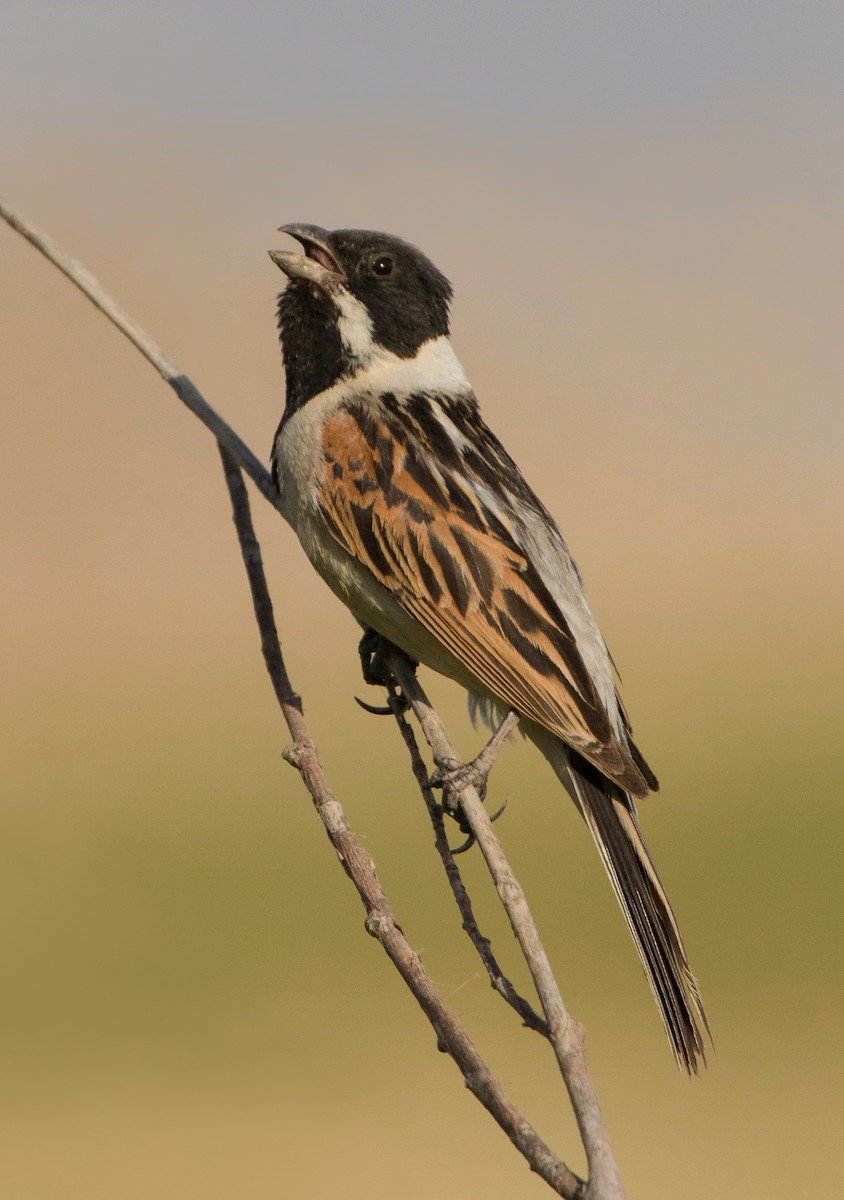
{"x": 531, "y": 64}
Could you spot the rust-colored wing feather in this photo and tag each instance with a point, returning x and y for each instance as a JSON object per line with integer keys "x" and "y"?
{"x": 458, "y": 569}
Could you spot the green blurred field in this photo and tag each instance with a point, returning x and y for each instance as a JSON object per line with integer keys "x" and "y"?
{"x": 189, "y": 1004}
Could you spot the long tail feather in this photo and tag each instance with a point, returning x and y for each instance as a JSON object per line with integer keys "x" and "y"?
{"x": 611, "y": 818}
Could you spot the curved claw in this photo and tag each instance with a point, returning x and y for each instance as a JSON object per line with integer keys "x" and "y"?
{"x": 471, "y": 839}
{"x": 377, "y": 710}
{"x": 464, "y": 846}
{"x": 496, "y": 815}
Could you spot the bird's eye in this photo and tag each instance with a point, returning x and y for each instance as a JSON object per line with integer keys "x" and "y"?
{"x": 382, "y": 265}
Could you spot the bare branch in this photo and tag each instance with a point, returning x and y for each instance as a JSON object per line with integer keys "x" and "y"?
{"x": 497, "y": 978}
{"x": 181, "y": 385}
{"x": 567, "y": 1035}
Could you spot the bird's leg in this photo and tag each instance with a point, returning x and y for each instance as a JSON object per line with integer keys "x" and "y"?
{"x": 371, "y": 649}
{"x": 453, "y": 777}
{"x": 374, "y": 650}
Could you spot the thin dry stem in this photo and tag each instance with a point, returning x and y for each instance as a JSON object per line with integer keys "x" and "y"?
{"x": 152, "y": 352}
{"x": 497, "y": 978}
{"x": 566, "y": 1035}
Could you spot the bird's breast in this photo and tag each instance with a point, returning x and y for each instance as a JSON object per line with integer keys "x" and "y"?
{"x": 300, "y": 462}
{"x": 299, "y": 454}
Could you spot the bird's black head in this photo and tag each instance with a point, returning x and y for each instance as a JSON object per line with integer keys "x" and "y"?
{"x": 354, "y": 296}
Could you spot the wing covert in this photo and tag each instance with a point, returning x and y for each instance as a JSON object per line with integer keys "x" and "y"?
{"x": 457, "y": 567}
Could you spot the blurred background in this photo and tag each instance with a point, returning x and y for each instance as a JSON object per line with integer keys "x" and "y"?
{"x": 640, "y": 206}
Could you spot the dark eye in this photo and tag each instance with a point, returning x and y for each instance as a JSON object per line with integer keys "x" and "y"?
{"x": 382, "y": 265}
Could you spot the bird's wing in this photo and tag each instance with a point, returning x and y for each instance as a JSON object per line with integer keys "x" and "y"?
{"x": 408, "y": 512}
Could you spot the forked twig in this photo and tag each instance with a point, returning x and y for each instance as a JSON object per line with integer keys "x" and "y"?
{"x": 565, "y": 1035}
{"x": 497, "y": 978}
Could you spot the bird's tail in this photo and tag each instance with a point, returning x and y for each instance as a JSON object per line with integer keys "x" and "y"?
{"x": 611, "y": 818}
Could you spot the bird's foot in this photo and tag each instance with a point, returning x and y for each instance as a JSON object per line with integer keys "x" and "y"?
{"x": 454, "y": 777}
{"x": 453, "y": 782}
{"x": 374, "y": 650}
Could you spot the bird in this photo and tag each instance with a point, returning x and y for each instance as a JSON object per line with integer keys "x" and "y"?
{"x": 418, "y": 519}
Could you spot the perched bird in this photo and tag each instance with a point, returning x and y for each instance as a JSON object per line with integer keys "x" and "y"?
{"x": 418, "y": 519}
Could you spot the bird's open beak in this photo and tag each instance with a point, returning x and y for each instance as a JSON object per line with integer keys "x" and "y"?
{"x": 317, "y": 264}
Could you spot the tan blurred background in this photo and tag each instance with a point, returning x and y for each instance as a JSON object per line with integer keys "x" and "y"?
{"x": 642, "y": 222}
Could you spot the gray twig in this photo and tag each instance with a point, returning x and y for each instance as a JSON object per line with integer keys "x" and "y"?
{"x": 567, "y": 1036}
{"x": 497, "y": 978}
{"x": 152, "y": 352}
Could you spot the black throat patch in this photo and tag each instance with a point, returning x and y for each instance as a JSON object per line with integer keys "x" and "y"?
{"x": 314, "y": 358}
